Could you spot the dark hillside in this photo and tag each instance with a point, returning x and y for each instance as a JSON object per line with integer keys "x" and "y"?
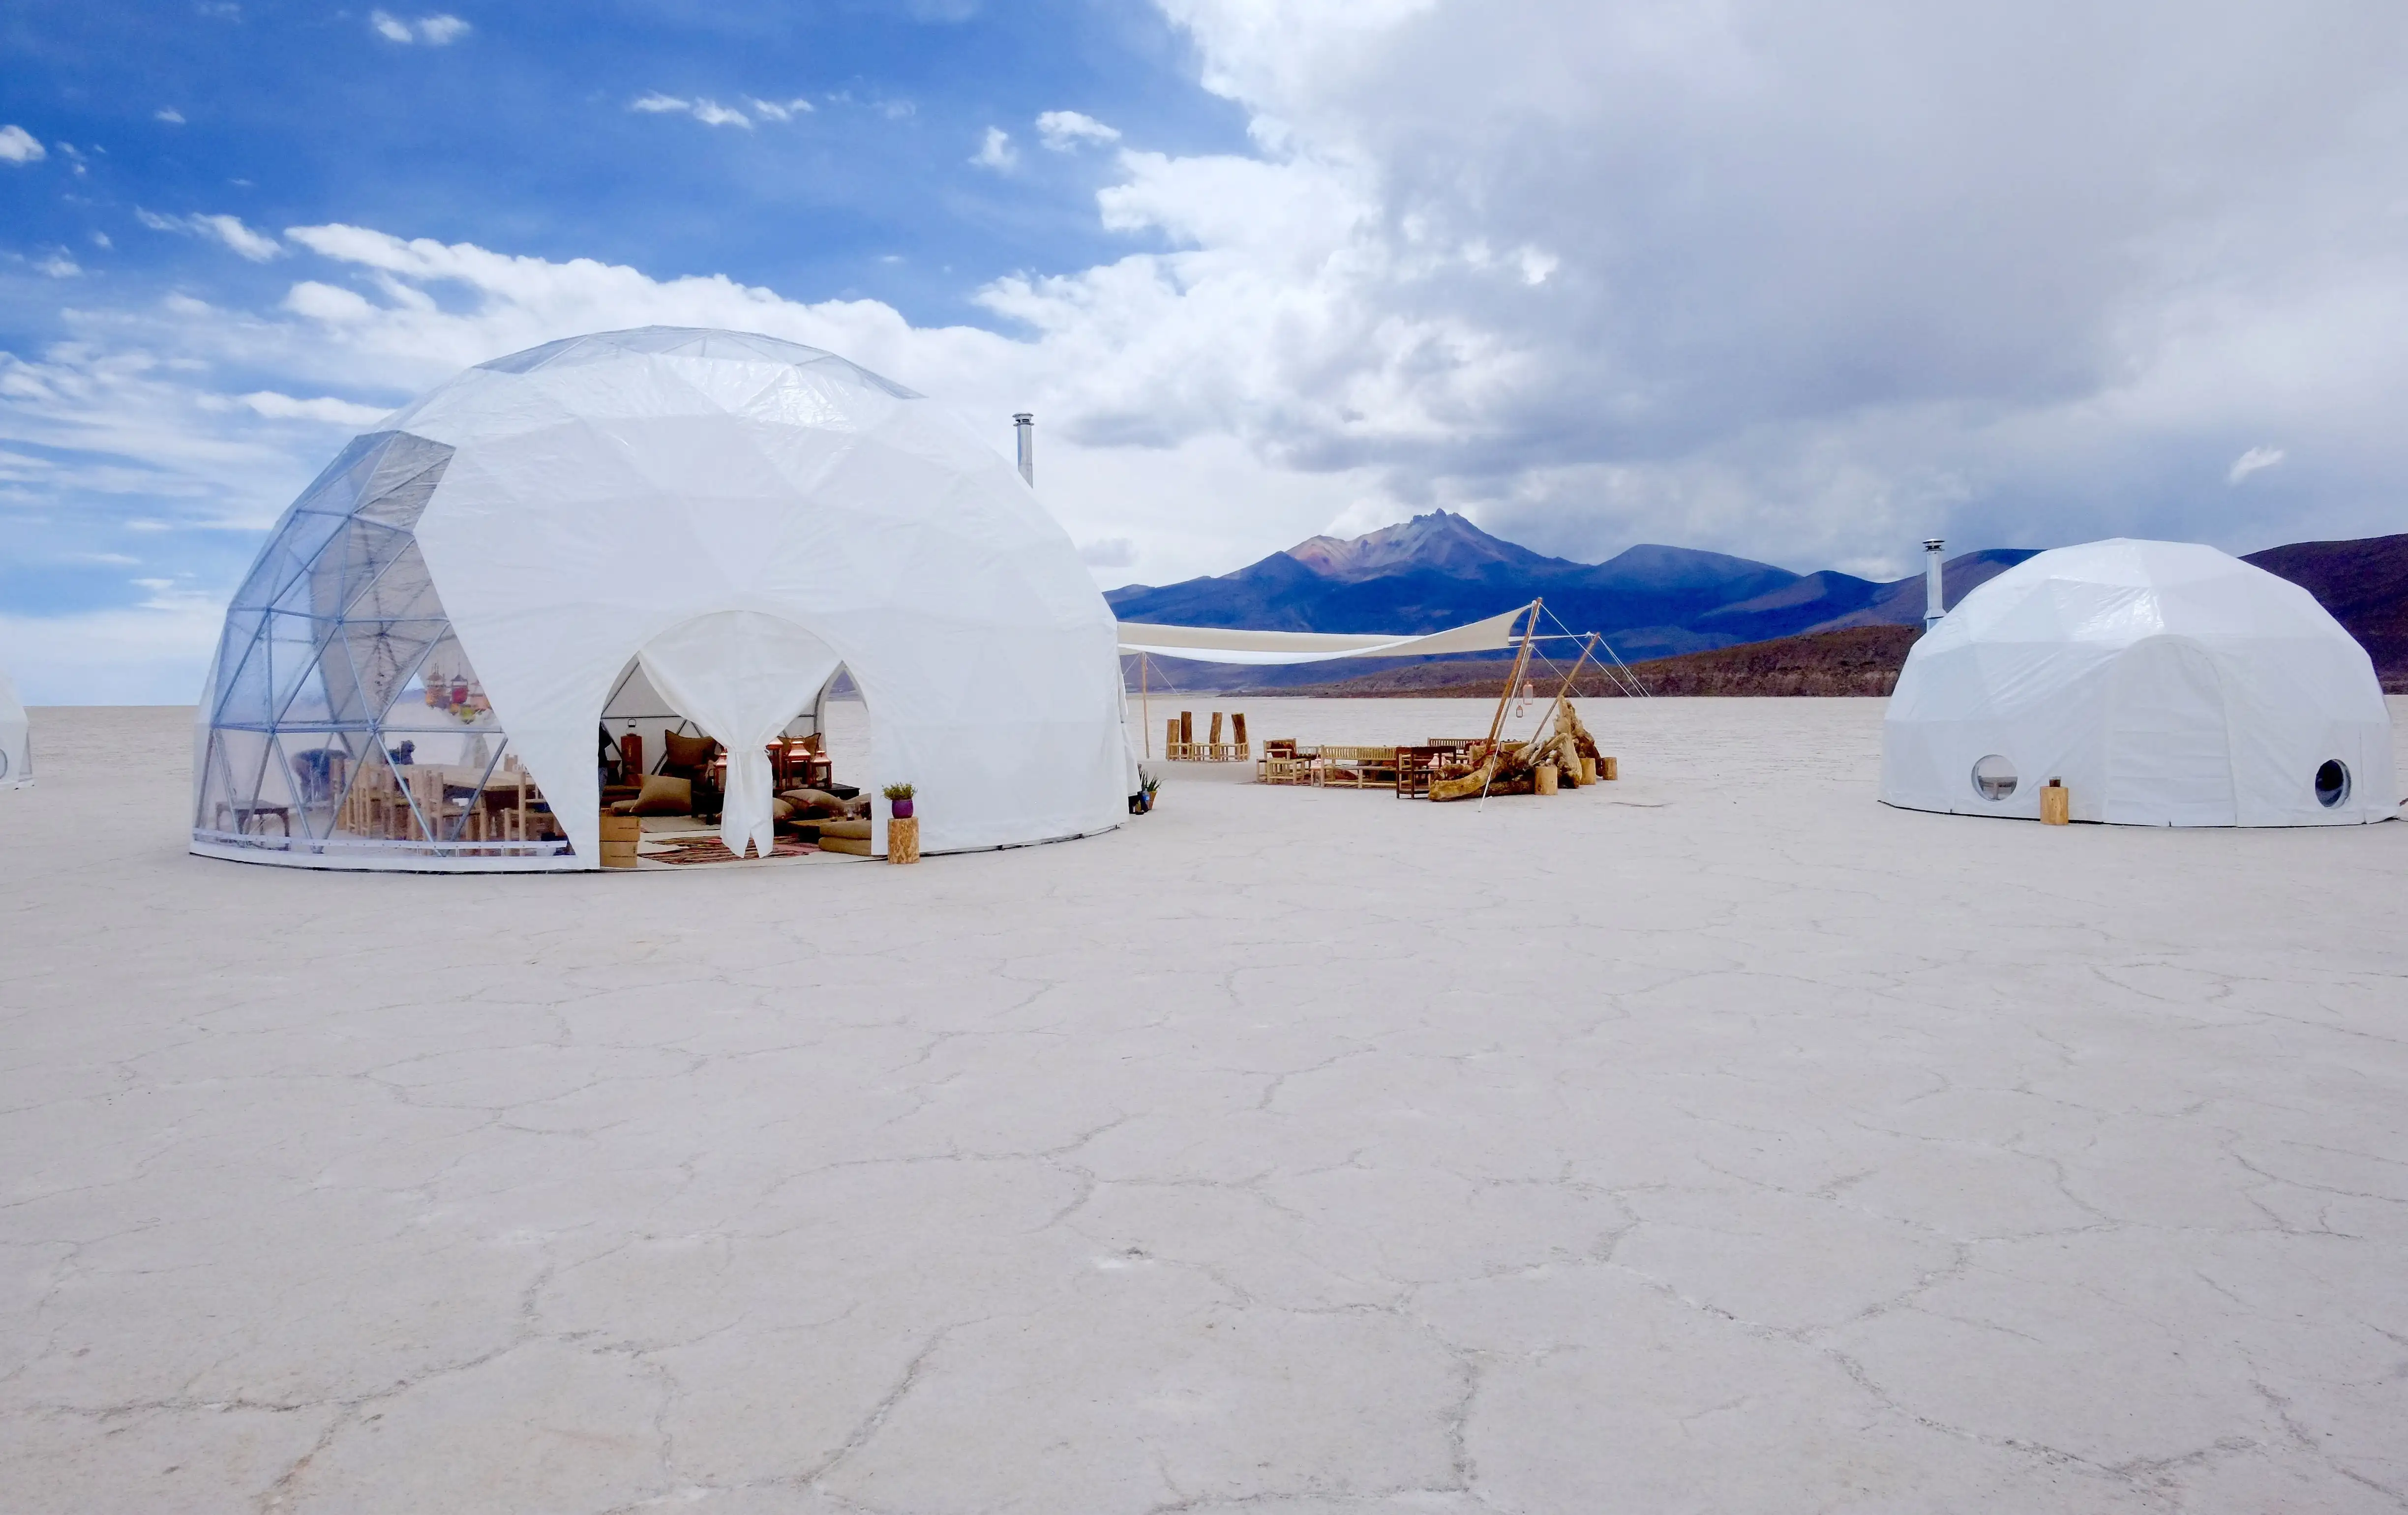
{"x": 1860, "y": 660}
{"x": 2364, "y": 585}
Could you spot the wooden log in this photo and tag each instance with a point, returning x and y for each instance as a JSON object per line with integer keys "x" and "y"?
{"x": 1588, "y": 770}
{"x": 903, "y": 840}
{"x": 1608, "y": 768}
{"x": 1546, "y": 778}
{"x": 1464, "y": 786}
{"x": 1214, "y": 739}
{"x": 1187, "y": 727}
{"x": 2056, "y": 805}
{"x": 1237, "y": 727}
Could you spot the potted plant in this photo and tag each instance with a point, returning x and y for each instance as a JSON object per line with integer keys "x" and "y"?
{"x": 898, "y": 797}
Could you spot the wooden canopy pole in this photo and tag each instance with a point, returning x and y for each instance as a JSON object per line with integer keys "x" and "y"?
{"x": 1490, "y": 764}
{"x": 1145, "y": 701}
{"x": 1555, "y": 711}
{"x": 1521, "y": 661}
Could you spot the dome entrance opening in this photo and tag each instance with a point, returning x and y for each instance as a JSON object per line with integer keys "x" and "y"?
{"x": 818, "y": 762}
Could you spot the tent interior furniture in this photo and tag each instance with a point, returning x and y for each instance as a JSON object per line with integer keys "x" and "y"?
{"x": 676, "y": 534}
{"x": 2162, "y": 683}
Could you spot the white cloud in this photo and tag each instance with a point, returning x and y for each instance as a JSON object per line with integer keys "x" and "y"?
{"x": 169, "y": 114}
{"x": 100, "y": 239}
{"x": 228, "y": 231}
{"x": 2251, "y": 462}
{"x": 779, "y": 110}
{"x": 1108, "y": 552}
{"x": 334, "y": 412}
{"x": 1063, "y": 130}
{"x": 438, "y": 31}
{"x": 996, "y": 151}
{"x": 20, "y": 146}
{"x": 710, "y": 112}
{"x": 59, "y": 265}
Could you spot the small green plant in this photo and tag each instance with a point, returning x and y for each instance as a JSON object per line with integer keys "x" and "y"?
{"x": 896, "y": 792}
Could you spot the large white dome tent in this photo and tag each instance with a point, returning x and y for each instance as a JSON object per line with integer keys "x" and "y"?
{"x": 736, "y": 517}
{"x": 2164, "y": 683}
{"x": 16, "y": 737}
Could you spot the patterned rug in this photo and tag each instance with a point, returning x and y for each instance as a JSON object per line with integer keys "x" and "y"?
{"x": 711, "y": 850}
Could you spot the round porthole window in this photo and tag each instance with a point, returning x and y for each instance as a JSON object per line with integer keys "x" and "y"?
{"x": 1994, "y": 778}
{"x": 2332, "y": 783}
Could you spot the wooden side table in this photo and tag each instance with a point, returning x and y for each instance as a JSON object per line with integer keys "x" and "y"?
{"x": 903, "y": 840}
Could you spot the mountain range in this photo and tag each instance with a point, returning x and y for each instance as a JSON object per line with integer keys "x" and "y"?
{"x": 1439, "y": 570}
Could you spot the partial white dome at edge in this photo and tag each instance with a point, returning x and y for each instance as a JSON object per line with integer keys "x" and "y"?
{"x": 2164, "y": 683}
{"x": 16, "y": 737}
{"x": 744, "y": 515}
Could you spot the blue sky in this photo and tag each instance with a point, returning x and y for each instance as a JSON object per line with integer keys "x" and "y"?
{"x": 1805, "y": 288}
{"x": 517, "y": 132}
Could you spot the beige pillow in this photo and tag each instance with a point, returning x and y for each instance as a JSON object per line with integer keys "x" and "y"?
{"x": 662, "y": 795}
{"x": 781, "y": 809}
{"x": 812, "y": 801}
{"x": 857, "y": 829}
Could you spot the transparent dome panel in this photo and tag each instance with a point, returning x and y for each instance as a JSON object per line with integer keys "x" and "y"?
{"x": 347, "y": 720}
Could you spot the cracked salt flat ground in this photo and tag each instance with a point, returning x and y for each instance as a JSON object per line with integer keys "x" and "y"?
{"x": 1716, "y": 1140}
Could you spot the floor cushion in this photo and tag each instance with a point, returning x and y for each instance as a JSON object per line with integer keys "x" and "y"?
{"x": 662, "y": 796}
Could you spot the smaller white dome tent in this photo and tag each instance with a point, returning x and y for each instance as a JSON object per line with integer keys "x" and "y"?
{"x": 2165, "y": 683}
{"x": 16, "y": 738}
{"x": 415, "y": 672}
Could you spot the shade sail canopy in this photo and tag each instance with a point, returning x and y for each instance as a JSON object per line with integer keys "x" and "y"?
{"x": 1216, "y": 644}
{"x": 2164, "y": 683}
{"x": 432, "y": 632}
{"x": 16, "y": 755}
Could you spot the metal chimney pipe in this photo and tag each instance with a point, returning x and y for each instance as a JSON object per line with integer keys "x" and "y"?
{"x": 1025, "y": 424}
{"x": 1933, "y": 608}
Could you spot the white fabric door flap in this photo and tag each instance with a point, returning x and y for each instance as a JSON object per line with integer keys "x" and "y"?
{"x": 2168, "y": 759}
{"x": 741, "y": 676}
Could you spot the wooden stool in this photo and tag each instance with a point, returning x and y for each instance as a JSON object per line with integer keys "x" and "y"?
{"x": 620, "y": 834}
{"x": 903, "y": 840}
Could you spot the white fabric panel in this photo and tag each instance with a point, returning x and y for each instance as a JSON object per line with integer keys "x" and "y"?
{"x": 741, "y": 676}
{"x": 1216, "y": 644}
{"x": 2165, "y": 683}
{"x": 607, "y": 489}
{"x": 16, "y": 737}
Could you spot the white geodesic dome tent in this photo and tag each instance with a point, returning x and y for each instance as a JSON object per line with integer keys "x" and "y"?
{"x": 16, "y": 737}
{"x": 2164, "y": 683}
{"x": 442, "y": 614}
